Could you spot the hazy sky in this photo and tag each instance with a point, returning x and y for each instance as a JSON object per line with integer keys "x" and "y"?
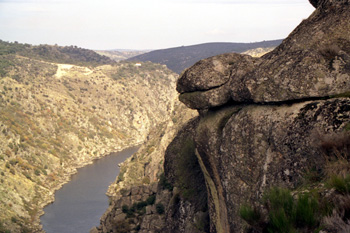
{"x": 148, "y": 24}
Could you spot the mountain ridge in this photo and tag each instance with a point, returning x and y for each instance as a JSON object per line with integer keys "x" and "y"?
{"x": 182, "y": 57}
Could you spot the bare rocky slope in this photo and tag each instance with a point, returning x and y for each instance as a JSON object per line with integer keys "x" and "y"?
{"x": 269, "y": 151}
{"x": 57, "y": 117}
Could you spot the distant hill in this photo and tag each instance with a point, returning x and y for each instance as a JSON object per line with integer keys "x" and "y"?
{"x": 119, "y": 55}
{"x": 56, "y": 54}
{"x": 180, "y": 58}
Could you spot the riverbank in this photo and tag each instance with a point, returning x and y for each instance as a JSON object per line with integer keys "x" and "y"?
{"x": 70, "y": 171}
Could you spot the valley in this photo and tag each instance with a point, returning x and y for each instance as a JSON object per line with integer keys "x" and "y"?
{"x": 58, "y": 117}
{"x": 64, "y": 107}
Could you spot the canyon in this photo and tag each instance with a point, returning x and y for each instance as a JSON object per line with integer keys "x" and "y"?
{"x": 58, "y": 117}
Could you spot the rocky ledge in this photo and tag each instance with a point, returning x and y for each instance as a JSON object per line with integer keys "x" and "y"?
{"x": 313, "y": 62}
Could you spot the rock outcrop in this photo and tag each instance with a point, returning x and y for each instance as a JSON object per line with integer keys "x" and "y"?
{"x": 279, "y": 122}
{"x": 264, "y": 122}
{"x": 313, "y": 62}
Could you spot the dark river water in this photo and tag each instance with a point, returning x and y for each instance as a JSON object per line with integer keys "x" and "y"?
{"x": 80, "y": 203}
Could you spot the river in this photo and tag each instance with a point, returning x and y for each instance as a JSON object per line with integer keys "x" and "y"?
{"x": 80, "y": 203}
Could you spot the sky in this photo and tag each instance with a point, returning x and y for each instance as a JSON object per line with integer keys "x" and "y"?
{"x": 148, "y": 24}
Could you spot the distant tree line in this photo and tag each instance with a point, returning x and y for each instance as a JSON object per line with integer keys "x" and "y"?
{"x": 56, "y": 54}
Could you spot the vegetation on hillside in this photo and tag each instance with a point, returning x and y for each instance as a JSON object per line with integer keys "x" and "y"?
{"x": 56, "y": 117}
{"x": 51, "y": 53}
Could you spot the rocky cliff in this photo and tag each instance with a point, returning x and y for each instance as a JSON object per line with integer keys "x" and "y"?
{"x": 271, "y": 130}
{"x": 269, "y": 151}
{"x": 56, "y": 117}
{"x": 137, "y": 202}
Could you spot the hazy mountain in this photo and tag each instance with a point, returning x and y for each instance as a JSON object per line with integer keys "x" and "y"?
{"x": 180, "y": 58}
{"x": 121, "y": 54}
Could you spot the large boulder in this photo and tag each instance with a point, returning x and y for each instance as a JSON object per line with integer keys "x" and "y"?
{"x": 249, "y": 149}
{"x": 313, "y": 62}
{"x": 263, "y": 125}
{"x": 207, "y": 83}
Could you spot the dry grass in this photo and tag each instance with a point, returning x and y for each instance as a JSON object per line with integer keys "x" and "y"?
{"x": 335, "y": 148}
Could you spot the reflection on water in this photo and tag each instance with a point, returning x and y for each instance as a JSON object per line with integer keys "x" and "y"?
{"x": 80, "y": 203}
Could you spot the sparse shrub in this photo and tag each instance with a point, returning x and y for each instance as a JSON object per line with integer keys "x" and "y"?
{"x": 121, "y": 174}
{"x": 125, "y": 209}
{"x": 335, "y": 148}
{"x": 306, "y": 211}
{"x": 330, "y": 52}
{"x": 137, "y": 228}
{"x": 251, "y": 215}
{"x": 279, "y": 203}
{"x": 164, "y": 183}
{"x": 37, "y": 172}
{"x": 335, "y": 223}
{"x": 151, "y": 199}
{"x": 140, "y": 205}
{"x": 13, "y": 162}
{"x": 13, "y": 219}
{"x": 160, "y": 208}
{"x": 122, "y": 227}
{"x": 340, "y": 184}
{"x": 26, "y": 174}
{"x": 286, "y": 214}
{"x": 12, "y": 171}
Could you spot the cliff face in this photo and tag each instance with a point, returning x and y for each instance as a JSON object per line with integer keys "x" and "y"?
{"x": 269, "y": 144}
{"x": 137, "y": 202}
{"x": 264, "y": 123}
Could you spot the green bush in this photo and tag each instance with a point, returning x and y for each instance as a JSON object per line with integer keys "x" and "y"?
{"x": 151, "y": 199}
{"x": 279, "y": 203}
{"x": 13, "y": 219}
{"x": 164, "y": 183}
{"x": 285, "y": 214}
{"x": 125, "y": 209}
{"x": 37, "y": 172}
{"x": 140, "y": 205}
{"x": 160, "y": 208}
{"x": 306, "y": 211}
{"x": 251, "y": 215}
